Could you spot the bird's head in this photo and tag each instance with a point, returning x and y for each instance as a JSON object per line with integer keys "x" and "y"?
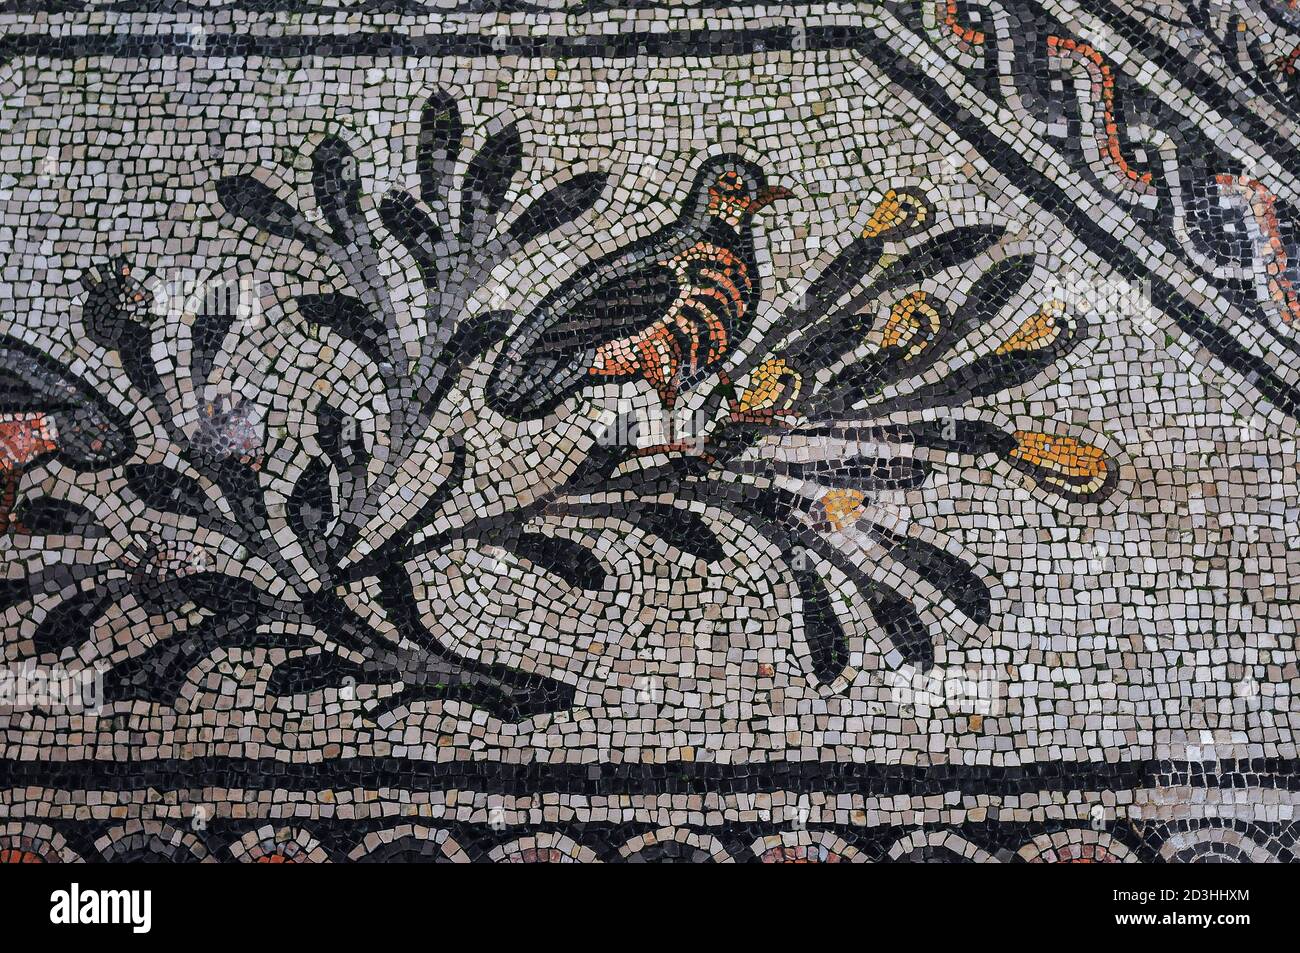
{"x": 733, "y": 190}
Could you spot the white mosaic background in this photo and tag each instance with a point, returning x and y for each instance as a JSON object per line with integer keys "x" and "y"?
{"x": 1160, "y": 619}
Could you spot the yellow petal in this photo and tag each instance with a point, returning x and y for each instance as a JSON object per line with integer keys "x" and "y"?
{"x": 771, "y": 382}
{"x": 907, "y": 318}
{"x": 1062, "y": 461}
{"x": 1038, "y": 331}
{"x": 895, "y": 210}
{"x": 842, "y": 508}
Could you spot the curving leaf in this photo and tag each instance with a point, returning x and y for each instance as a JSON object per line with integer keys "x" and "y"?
{"x": 991, "y": 293}
{"x": 206, "y": 337}
{"x": 827, "y": 642}
{"x": 471, "y": 338}
{"x": 219, "y": 592}
{"x": 935, "y": 255}
{"x": 341, "y": 438}
{"x": 560, "y": 205}
{"x": 160, "y": 673}
{"x": 336, "y": 181}
{"x": 239, "y": 485}
{"x": 136, "y": 352}
{"x": 856, "y": 472}
{"x": 347, "y": 317}
{"x": 900, "y": 213}
{"x": 488, "y": 179}
{"x": 48, "y": 516}
{"x": 903, "y": 626}
{"x": 678, "y": 527}
{"x": 165, "y": 489}
{"x": 311, "y": 505}
{"x": 571, "y": 561}
{"x": 246, "y": 197}
{"x": 310, "y": 673}
{"x": 505, "y": 692}
{"x": 1007, "y": 367}
{"x": 409, "y": 224}
{"x": 439, "y": 145}
{"x": 71, "y": 621}
{"x": 972, "y": 437}
{"x": 950, "y": 575}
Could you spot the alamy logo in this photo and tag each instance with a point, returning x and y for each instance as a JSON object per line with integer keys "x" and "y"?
{"x": 76, "y": 906}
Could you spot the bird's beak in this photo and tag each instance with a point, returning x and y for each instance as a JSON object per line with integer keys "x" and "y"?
{"x": 768, "y": 196}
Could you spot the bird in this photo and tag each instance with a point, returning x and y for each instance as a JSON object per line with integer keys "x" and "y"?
{"x": 664, "y": 309}
{"x": 46, "y": 412}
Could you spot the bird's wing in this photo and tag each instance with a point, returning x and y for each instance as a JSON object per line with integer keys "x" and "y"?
{"x": 596, "y": 311}
{"x": 551, "y": 353}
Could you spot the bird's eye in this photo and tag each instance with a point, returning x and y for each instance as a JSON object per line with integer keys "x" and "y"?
{"x": 731, "y": 182}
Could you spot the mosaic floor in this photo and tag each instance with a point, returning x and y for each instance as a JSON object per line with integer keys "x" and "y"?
{"x": 855, "y": 432}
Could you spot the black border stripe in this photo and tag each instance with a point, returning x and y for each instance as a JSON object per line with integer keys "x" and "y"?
{"x": 497, "y": 777}
{"x": 1052, "y": 197}
{"x": 1149, "y": 45}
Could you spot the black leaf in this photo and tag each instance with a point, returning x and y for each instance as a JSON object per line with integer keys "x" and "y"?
{"x": 311, "y": 506}
{"x": 159, "y": 674}
{"x": 439, "y": 145}
{"x": 219, "y": 592}
{"x": 996, "y": 372}
{"x": 572, "y": 562}
{"x": 336, "y": 181}
{"x": 70, "y": 622}
{"x": 349, "y": 318}
{"x": 207, "y": 335}
{"x": 858, "y": 473}
{"x": 488, "y": 179}
{"x": 505, "y": 692}
{"x": 409, "y": 224}
{"x": 838, "y": 278}
{"x": 560, "y": 205}
{"x": 47, "y": 516}
{"x": 992, "y": 292}
{"x": 678, "y": 527}
{"x": 904, "y": 627}
{"x": 239, "y": 485}
{"x": 847, "y": 270}
{"x": 165, "y": 489}
{"x": 822, "y": 629}
{"x": 340, "y": 437}
{"x": 950, "y": 575}
{"x": 471, "y": 338}
{"x": 309, "y": 673}
{"x": 972, "y": 437}
{"x": 937, "y": 254}
{"x": 136, "y": 351}
{"x": 247, "y": 198}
